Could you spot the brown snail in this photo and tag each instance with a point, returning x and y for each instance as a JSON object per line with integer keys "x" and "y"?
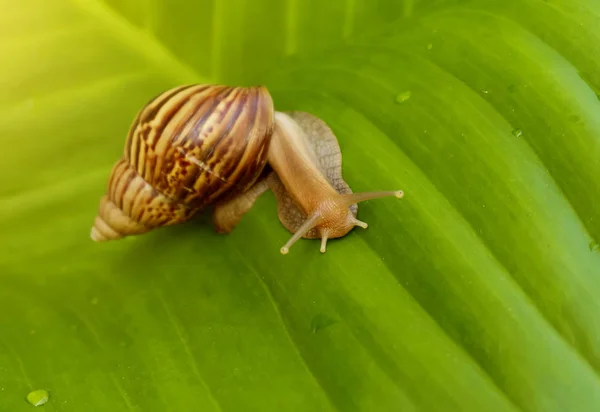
{"x": 199, "y": 145}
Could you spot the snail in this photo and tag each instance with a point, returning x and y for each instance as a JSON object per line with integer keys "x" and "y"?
{"x": 201, "y": 145}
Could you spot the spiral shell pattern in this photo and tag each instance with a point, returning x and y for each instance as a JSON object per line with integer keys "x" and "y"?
{"x": 187, "y": 148}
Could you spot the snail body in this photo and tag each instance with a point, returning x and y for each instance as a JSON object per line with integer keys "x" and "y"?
{"x": 210, "y": 145}
{"x": 314, "y": 201}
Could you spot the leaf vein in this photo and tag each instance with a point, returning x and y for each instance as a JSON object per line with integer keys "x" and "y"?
{"x": 285, "y": 328}
{"x": 186, "y": 348}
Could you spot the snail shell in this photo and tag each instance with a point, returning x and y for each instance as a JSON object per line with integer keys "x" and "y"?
{"x": 187, "y": 148}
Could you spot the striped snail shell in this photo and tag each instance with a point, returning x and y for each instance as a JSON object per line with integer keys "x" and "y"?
{"x": 187, "y": 148}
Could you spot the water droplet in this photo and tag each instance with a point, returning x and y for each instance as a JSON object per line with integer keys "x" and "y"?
{"x": 38, "y": 398}
{"x": 404, "y": 96}
{"x": 594, "y": 246}
{"x": 517, "y": 132}
{"x": 321, "y": 321}
{"x": 484, "y": 91}
{"x": 430, "y": 46}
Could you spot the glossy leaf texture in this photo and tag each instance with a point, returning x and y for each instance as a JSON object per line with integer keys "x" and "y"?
{"x": 477, "y": 291}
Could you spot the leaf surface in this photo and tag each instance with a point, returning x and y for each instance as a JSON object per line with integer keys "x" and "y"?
{"x": 477, "y": 291}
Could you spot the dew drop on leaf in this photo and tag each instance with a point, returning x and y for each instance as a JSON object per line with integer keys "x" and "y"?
{"x": 517, "y": 132}
{"x": 430, "y": 46}
{"x": 38, "y": 397}
{"x": 404, "y": 96}
{"x": 594, "y": 246}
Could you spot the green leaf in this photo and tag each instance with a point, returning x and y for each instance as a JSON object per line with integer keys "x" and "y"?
{"x": 477, "y": 291}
